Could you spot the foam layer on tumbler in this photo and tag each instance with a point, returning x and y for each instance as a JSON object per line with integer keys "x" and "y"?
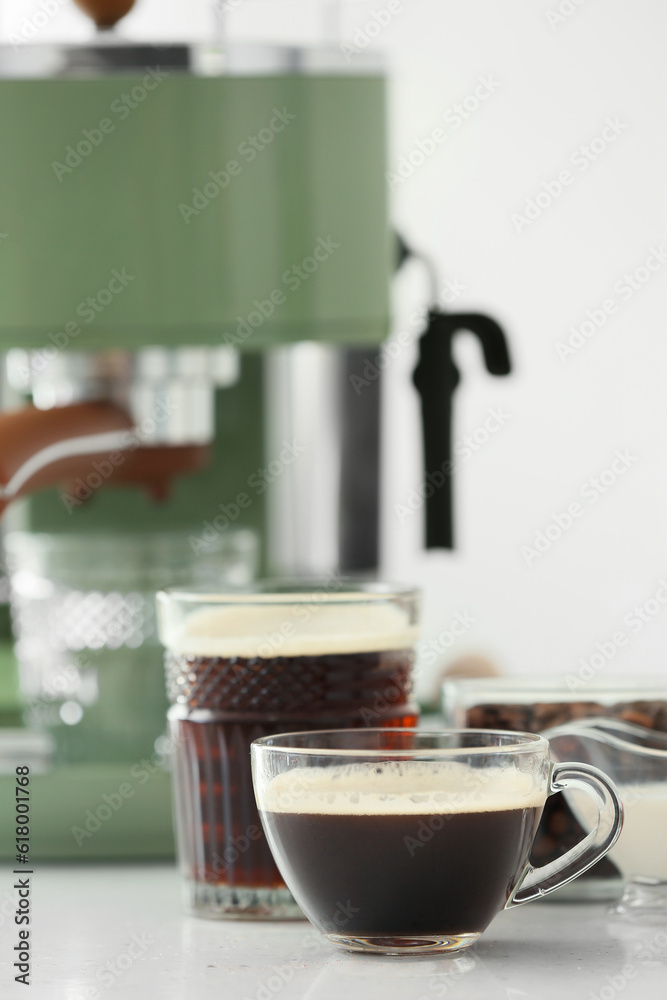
{"x": 308, "y": 627}
{"x": 401, "y": 788}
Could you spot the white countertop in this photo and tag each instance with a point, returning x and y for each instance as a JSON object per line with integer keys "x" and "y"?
{"x": 86, "y": 917}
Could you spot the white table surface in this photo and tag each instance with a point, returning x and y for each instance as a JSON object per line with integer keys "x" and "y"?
{"x": 86, "y": 917}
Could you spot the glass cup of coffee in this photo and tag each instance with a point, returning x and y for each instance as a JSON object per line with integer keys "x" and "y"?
{"x": 284, "y": 656}
{"x": 402, "y": 842}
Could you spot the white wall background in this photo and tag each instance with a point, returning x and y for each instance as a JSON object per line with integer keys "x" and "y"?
{"x": 557, "y": 86}
{"x": 558, "y": 81}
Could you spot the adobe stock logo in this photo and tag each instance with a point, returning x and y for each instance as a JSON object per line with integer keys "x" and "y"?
{"x": 31, "y": 26}
{"x": 91, "y": 138}
{"x": 247, "y": 150}
{"x": 379, "y": 19}
{"x": 463, "y": 449}
{"x": 562, "y": 521}
{"x": 565, "y": 9}
{"x": 453, "y": 117}
{"x": 581, "y": 159}
{"x": 624, "y": 289}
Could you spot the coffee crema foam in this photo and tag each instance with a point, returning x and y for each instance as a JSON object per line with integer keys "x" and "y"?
{"x": 395, "y": 788}
{"x": 303, "y": 628}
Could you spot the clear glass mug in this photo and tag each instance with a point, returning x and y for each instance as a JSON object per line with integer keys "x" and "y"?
{"x": 280, "y": 656}
{"x": 402, "y": 842}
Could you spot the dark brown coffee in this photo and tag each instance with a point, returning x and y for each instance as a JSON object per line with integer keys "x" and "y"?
{"x": 404, "y": 875}
{"x": 363, "y": 867}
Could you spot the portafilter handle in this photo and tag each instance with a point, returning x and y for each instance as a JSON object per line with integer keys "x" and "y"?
{"x": 95, "y": 442}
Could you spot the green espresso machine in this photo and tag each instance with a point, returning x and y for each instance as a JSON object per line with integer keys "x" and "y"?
{"x": 182, "y": 223}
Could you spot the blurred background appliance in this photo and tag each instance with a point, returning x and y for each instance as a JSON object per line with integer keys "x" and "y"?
{"x": 194, "y": 287}
{"x": 195, "y": 259}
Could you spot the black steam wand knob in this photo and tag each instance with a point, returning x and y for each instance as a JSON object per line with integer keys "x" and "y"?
{"x": 435, "y": 378}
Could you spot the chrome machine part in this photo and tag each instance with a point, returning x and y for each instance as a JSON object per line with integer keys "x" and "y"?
{"x": 102, "y": 57}
{"x": 107, "y": 56}
{"x": 322, "y": 460}
{"x": 168, "y": 393}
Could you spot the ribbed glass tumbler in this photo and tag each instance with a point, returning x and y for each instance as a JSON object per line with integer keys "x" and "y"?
{"x": 289, "y": 656}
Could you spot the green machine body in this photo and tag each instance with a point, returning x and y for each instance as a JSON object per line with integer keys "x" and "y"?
{"x": 153, "y": 207}
{"x": 169, "y": 209}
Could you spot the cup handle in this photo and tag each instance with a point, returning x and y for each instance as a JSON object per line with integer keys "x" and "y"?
{"x": 537, "y": 882}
